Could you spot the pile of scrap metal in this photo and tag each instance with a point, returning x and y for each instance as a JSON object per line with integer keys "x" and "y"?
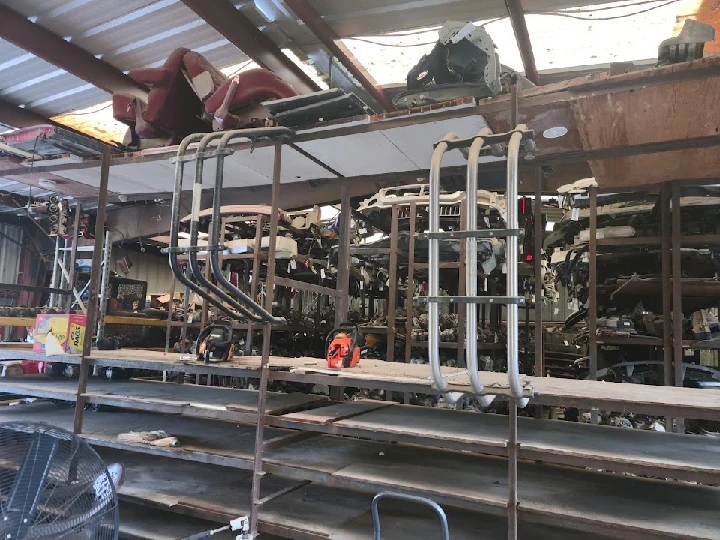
{"x": 190, "y": 95}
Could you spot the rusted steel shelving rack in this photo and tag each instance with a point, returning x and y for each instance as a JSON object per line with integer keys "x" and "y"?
{"x": 671, "y": 241}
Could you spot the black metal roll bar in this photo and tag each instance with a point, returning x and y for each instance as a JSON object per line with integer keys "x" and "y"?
{"x": 245, "y": 306}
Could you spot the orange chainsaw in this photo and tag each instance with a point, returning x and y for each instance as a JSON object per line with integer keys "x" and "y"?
{"x": 341, "y": 345}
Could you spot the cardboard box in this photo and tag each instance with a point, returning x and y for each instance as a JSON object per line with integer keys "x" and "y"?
{"x": 68, "y": 331}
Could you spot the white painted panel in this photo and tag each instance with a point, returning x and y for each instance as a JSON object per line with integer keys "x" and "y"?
{"x": 148, "y": 177}
{"x": 360, "y": 154}
{"x": 237, "y": 174}
{"x": 295, "y": 166}
{"x": 417, "y": 141}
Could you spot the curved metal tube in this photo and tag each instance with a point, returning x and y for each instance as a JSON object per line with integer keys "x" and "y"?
{"x": 433, "y": 263}
{"x": 215, "y": 232}
{"x": 194, "y": 226}
{"x": 471, "y": 265}
{"x": 511, "y": 257}
{"x": 175, "y": 229}
{"x": 410, "y": 498}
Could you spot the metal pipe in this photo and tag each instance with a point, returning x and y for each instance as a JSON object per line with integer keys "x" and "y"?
{"x": 409, "y": 498}
{"x": 471, "y": 265}
{"x": 433, "y": 263}
{"x": 511, "y": 257}
{"x": 512, "y": 471}
{"x": 220, "y": 295}
{"x": 215, "y": 265}
{"x": 53, "y": 279}
{"x": 175, "y": 228}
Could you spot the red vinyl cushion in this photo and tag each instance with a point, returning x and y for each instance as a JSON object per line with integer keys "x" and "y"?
{"x": 254, "y": 86}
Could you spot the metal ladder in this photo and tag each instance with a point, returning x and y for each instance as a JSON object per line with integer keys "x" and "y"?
{"x": 516, "y": 391}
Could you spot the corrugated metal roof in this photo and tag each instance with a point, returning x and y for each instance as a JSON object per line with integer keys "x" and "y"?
{"x": 128, "y": 34}
{"x": 142, "y": 33}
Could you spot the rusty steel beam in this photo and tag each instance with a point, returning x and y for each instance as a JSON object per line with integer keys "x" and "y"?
{"x": 40, "y": 41}
{"x": 517, "y": 19}
{"x": 241, "y": 32}
{"x": 329, "y": 38}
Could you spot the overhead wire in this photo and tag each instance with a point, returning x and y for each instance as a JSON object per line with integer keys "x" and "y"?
{"x": 570, "y": 15}
{"x": 630, "y": 4}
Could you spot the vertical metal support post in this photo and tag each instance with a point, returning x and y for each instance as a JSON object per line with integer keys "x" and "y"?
{"x": 410, "y": 293}
{"x": 93, "y": 290}
{"x": 539, "y": 233}
{"x": 168, "y": 326}
{"x": 264, "y": 364}
{"x": 64, "y": 261}
{"x": 205, "y": 313}
{"x": 73, "y": 256}
{"x": 342, "y": 301}
{"x": 257, "y": 260}
{"x": 186, "y": 308}
{"x": 107, "y": 248}
{"x": 592, "y": 286}
{"x": 665, "y": 233}
{"x": 512, "y": 470}
{"x": 55, "y": 273}
{"x": 392, "y": 289}
{"x": 512, "y": 320}
{"x": 677, "y": 296}
{"x": 463, "y": 276}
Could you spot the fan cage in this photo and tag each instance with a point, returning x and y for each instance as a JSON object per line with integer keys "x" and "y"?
{"x": 53, "y": 485}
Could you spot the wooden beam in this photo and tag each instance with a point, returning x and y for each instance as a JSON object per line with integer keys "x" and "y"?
{"x": 329, "y": 38}
{"x": 517, "y": 19}
{"x": 34, "y": 38}
{"x": 241, "y": 32}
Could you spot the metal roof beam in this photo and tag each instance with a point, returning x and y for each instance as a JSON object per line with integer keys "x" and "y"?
{"x": 329, "y": 38}
{"x": 241, "y": 32}
{"x": 517, "y": 19}
{"x": 18, "y": 117}
{"x": 19, "y": 30}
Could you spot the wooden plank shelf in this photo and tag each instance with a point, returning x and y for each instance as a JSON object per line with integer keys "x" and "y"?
{"x": 405, "y": 377}
{"x": 577, "y": 498}
{"x": 684, "y": 457}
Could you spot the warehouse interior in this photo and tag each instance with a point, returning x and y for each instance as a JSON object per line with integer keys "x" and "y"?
{"x": 315, "y": 269}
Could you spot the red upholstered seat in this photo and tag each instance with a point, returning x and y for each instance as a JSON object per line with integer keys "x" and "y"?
{"x": 174, "y": 107}
{"x": 172, "y": 110}
{"x": 205, "y": 78}
{"x": 238, "y": 99}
